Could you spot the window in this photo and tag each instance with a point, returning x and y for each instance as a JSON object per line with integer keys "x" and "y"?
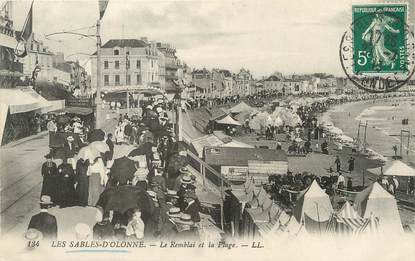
{"x": 117, "y": 64}
{"x": 116, "y": 52}
{"x": 106, "y": 80}
{"x": 138, "y": 64}
{"x": 117, "y": 80}
{"x": 138, "y": 79}
{"x": 152, "y": 77}
{"x": 128, "y": 79}
{"x": 105, "y": 64}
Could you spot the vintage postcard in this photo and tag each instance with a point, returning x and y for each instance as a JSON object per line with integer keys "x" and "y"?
{"x": 207, "y": 129}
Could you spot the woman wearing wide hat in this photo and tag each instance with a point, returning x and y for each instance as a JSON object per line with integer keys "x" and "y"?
{"x": 50, "y": 177}
{"x": 66, "y": 185}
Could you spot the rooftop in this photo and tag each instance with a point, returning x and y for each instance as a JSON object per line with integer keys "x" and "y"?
{"x": 133, "y": 43}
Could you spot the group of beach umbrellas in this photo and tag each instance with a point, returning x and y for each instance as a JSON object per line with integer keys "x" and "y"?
{"x": 279, "y": 117}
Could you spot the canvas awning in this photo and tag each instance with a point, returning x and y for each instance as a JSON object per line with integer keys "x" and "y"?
{"x": 241, "y": 107}
{"x": 22, "y": 100}
{"x": 228, "y": 121}
{"x": 394, "y": 168}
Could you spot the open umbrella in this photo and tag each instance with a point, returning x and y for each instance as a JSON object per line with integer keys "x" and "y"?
{"x": 68, "y": 218}
{"x": 122, "y": 198}
{"x": 100, "y": 146}
{"x": 88, "y": 153}
{"x": 123, "y": 170}
{"x": 63, "y": 119}
{"x": 96, "y": 135}
{"x": 143, "y": 149}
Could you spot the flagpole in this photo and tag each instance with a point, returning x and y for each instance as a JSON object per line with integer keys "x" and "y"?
{"x": 98, "y": 100}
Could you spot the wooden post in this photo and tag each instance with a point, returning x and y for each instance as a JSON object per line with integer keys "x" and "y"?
{"x": 221, "y": 205}
{"x": 364, "y": 138}
{"x": 409, "y": 138}
{"x": 363, "y": 183}
{"x": 401, "y": 145}
{"x": 98, "y": 100}
{"x": 203, "y": 172}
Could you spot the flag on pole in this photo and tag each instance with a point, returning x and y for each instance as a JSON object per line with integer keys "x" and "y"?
{"x": 102, "y": 5}
{"x": 23, "y": 36}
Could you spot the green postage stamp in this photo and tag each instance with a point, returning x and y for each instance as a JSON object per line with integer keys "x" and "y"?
{"x": 379, "y": 38}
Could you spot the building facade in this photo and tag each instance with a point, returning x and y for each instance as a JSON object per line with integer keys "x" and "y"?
{"x": 127, "y": 62}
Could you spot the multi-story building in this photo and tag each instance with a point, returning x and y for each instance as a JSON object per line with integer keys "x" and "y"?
{"x": 217, "y": 83}
{"x": 38, "y": 55}
{"x": 127, "y": 62}
{"x": 78, "y": 75}
{"x": 244, "y": 81}
{"x": 202, "y": 81}
{"x": 274, "y": 83}
{"x": 228, "y": 83}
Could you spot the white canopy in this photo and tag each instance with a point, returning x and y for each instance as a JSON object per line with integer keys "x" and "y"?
{"x": 229, "y": 121}
{"x": 242, "y": 106}
{"x": 394, "y": 168}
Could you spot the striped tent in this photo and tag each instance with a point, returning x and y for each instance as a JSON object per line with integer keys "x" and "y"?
{"x": 370, "y": 227}
{"x": 346, "y": 221}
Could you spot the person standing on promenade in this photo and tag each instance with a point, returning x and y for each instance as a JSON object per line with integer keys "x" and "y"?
{"x": 351, "y": 164}
{"x": 340, "y": 181}
{"x": 338, "y": 163}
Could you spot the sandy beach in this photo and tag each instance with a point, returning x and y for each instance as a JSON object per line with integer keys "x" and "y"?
{"x": 384, "y": 123}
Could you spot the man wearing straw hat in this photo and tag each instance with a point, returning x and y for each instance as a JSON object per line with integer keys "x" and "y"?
{"x": 168, "y": 225}
{"x": 169, "y": 201}
{"x": 45, "y": 222}
{"x": 186, "y": 229}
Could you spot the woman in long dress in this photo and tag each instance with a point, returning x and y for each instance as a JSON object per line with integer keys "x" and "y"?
{"x": 97, "y": 180}
{"x": 375, "y": 35}
{"x": 82, "y": 187}
{"x": 50, "y": 178}
{"x": 66, "y": 185}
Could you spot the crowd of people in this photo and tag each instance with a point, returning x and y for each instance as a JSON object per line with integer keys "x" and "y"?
{"x": 88, "y": 181}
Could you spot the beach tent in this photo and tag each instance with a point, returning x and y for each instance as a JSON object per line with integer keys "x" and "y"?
{"x": 241, "y": 107}
{"x": 292, "y": 228}
{"x": 314, "y": 208}
{"x": 228, "y": 120}
{"x": 394, "y": 168}
{"x": 346, "y": 221}
{"x": 377, "y": 201}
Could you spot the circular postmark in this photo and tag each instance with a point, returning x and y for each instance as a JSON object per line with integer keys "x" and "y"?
{"x": 377, "y": 52}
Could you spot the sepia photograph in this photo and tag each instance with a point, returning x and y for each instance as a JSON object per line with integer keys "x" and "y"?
{"x": 207, "y": 129}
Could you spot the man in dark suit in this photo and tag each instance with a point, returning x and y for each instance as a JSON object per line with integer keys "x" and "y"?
{"x": 45, "y": 222}
{"x": 192, "y": 207}
{"x": 110, "y": 144}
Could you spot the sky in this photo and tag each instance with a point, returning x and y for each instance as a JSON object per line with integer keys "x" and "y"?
{"x": 288, "y": 36}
